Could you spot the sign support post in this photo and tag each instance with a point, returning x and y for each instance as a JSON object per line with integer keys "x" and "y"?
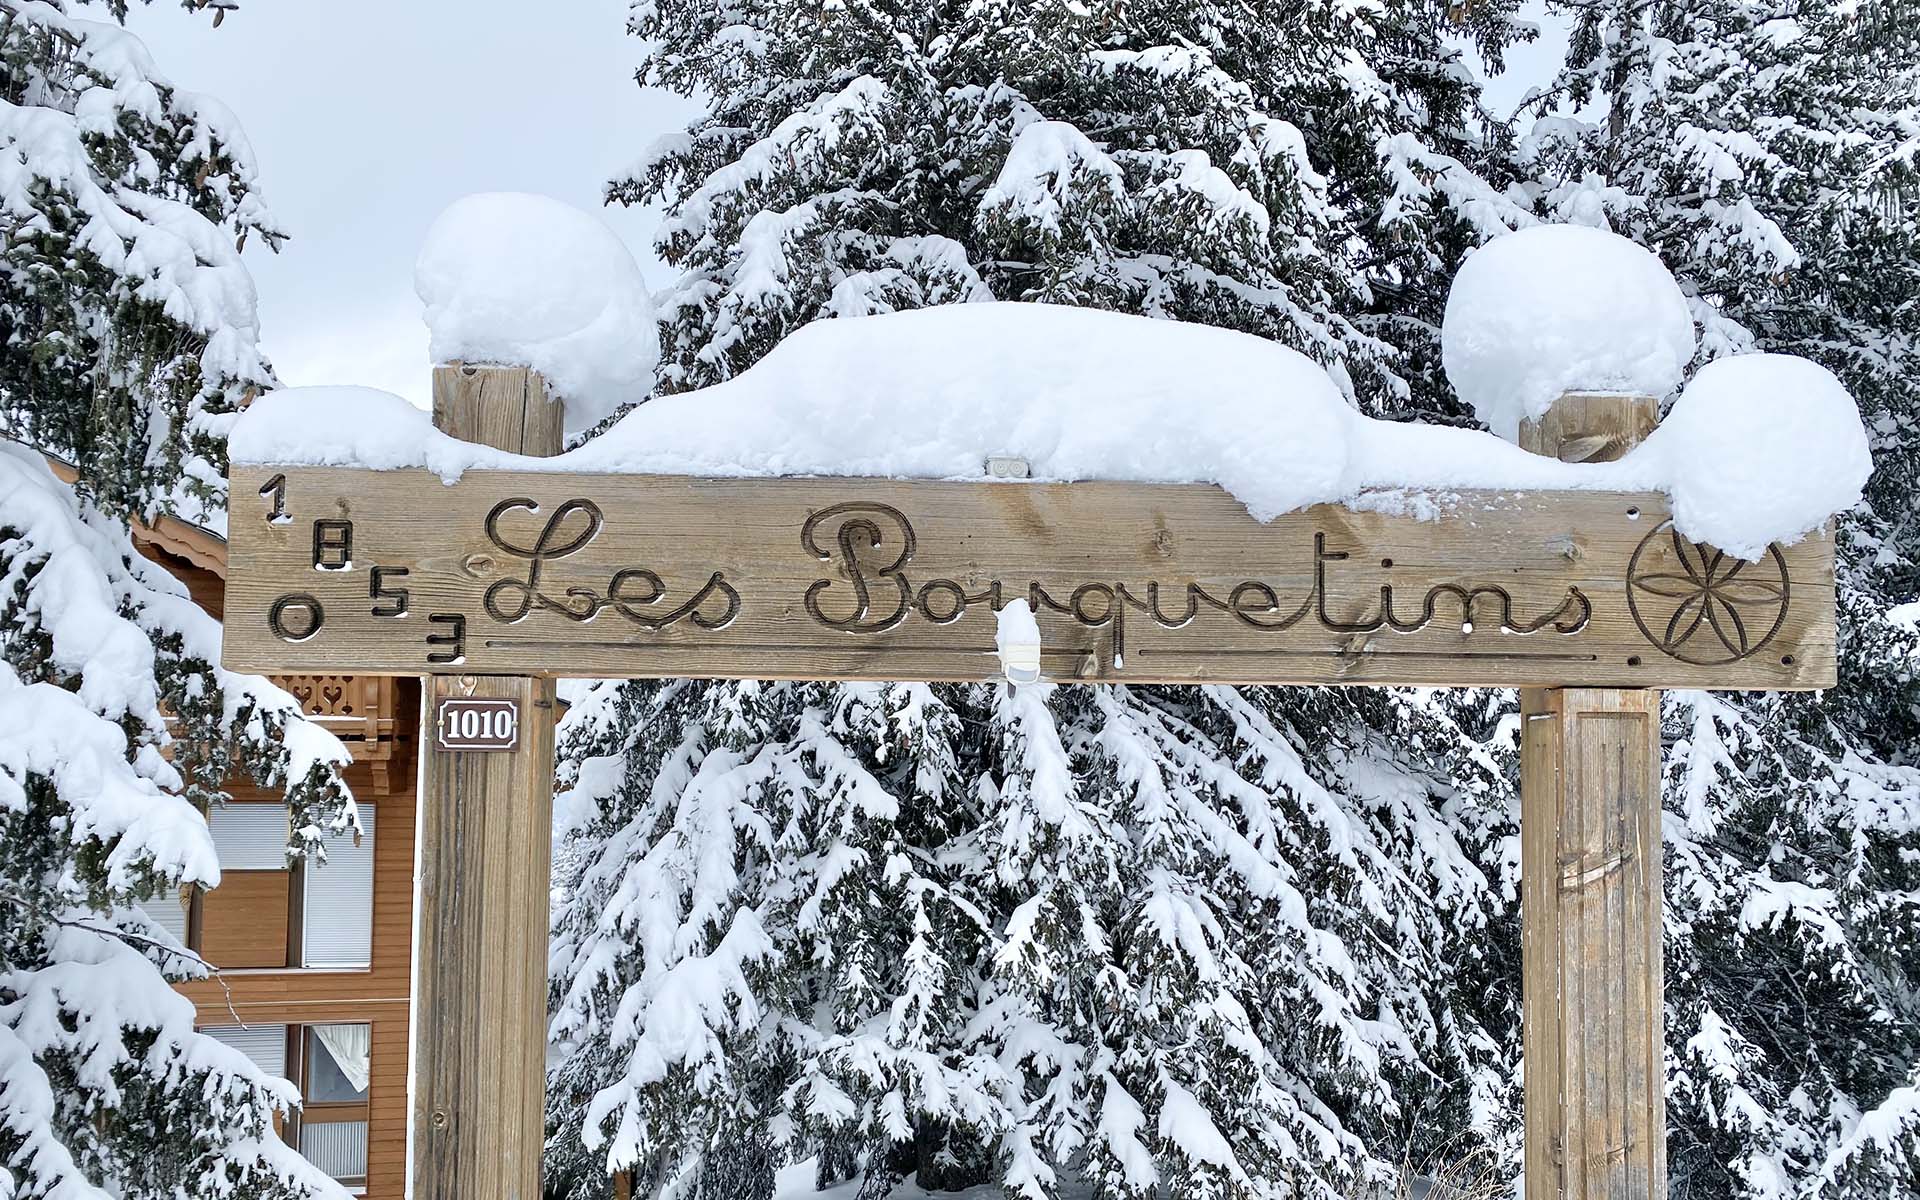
{"x": 1594, "y": 1041}
{"x": 479, "y": 1119}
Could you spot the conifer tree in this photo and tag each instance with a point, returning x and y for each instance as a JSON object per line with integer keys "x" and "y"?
{"x": 1184, "y": 940}
{"x": 1183, "y": 160}
{"x": 1766, "y": 152}
{"x": 1314, "y": 179}
{"x": 127, "y": 337}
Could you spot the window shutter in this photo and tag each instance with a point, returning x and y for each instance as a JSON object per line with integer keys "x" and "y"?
{"x": 169, "y": 911}
{"x": 250, "y": 837}
{"x": 266, "y": 1045}
{"x": 338, "y": 929}
{"x": 337, "y": 1147}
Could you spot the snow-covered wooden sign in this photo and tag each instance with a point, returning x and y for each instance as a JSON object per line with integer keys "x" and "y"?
{"x": 504, "y": 572}
{"x": 1202, "y": 506}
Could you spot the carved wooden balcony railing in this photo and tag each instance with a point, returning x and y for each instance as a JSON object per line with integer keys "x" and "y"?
{"x": 350, "y": 705}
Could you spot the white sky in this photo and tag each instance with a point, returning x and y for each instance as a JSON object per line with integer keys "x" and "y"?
{"x": 370, "y": 116}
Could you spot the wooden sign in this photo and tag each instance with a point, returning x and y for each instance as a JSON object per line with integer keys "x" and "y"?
{"x": 464, "y": 723}
{"x": 636, "y": 576}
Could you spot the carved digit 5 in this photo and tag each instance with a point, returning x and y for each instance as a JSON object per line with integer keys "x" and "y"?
{"x": 377, "y": 588}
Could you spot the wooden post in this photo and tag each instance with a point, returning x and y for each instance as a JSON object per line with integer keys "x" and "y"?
{"x": 486, "y": 823}
{"x": 1596, "y": 1114}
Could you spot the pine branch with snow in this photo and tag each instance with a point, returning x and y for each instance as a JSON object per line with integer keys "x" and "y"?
{"x": 127, "y": 339}
{"x": 128, "y": 336}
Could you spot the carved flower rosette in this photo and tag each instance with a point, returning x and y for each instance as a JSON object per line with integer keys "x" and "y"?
{"x": 1701, "y": 605}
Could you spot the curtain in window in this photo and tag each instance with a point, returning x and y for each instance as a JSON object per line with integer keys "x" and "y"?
{"x": 351, "y": 1047}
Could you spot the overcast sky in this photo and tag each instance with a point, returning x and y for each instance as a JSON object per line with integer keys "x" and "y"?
{"x": 370, "y": 116}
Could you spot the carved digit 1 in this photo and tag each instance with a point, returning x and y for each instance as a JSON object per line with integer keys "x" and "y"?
{"x": 378, "y": 589}
{"x": 276, "y": 488}
{"x": 455, "y": 637}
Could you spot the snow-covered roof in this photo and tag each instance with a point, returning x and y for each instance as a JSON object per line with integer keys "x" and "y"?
{"x": 1757, "y": 450}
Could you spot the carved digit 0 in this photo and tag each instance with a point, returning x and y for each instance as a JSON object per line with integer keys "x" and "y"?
{"x": 302, "y": 626}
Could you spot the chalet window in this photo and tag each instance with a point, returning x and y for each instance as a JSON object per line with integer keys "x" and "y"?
{"x": 336, "y": 925}
{"x": 268, "y": 912}
{"x": 335, "y": 1065}
{"x": 169, "y": 912}
{"x": 266, "y": 1045}
{"x": 332, "y": 1065}
{"x": 244, "y": 922}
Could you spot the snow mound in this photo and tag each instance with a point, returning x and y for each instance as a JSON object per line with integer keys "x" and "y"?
{"x": 1016, "y": 640}
{"x": 1759, "y": 443}
{"x": 509, "y": 277}
{"x": 1084, "y": 394}
{"x": 1553, "y": 309}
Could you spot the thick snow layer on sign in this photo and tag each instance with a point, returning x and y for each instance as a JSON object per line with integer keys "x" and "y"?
{"x": 509, "y": 277}
{"x": 1759, "y": 441}
{"x": 1083, "y": 394}
{"x": 1560, "y": 308}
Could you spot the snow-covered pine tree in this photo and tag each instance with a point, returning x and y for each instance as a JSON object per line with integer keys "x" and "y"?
{"x": 1183, "y": 159}
{"x": 127, "y": 332}
{"x": 980, "y": 936}
{"x": 1202, "y": 941}
{"x": 1767, "y": 153}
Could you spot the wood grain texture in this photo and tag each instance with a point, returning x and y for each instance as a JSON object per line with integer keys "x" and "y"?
{"x": 1591, "y": 921}
{"x": 479, "y": 1120}
{"x": 1591, "y": 426}
{"x": 504, "y": 407}
{"x": 1593, "y": 1004}
{"x": 763, "y": 578}
{"x": 486, "y": 824}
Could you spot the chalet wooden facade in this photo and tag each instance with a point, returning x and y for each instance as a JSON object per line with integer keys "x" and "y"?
{"x": 315, "y": 962}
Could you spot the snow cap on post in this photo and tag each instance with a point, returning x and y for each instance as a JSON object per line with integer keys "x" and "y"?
{"x": 517, "y": 279}
{"x": 1761, "y": 448}
{"x": 1554, "y": 309}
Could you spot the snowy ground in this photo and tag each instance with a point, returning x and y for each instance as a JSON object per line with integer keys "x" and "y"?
{"x": 796, "y": 1183}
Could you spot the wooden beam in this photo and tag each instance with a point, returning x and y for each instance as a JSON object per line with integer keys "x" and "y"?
{"x": 633, "y": 576}
{"x": 486, "y": 828}
{"x": 1596, "y": 1125}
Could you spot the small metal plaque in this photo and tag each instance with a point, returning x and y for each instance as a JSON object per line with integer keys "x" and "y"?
{"x": 479, "y": 725}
